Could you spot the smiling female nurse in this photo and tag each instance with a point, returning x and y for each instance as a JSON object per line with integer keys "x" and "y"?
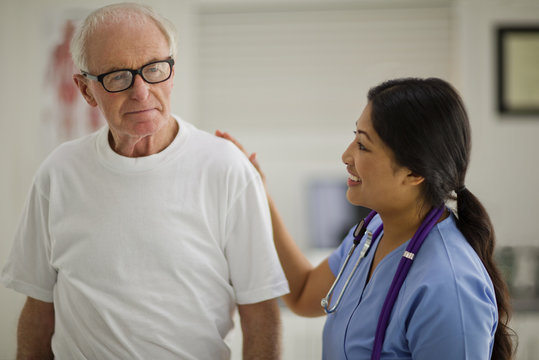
{"x": 408, "y": 158}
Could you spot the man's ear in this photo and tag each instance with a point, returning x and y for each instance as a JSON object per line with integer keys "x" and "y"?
{"x": 82, "y": 84}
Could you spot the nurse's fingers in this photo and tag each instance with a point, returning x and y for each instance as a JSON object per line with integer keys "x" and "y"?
{"x": 254, "y": 161}
{"x": 229, "y": 137}
{"x": 252, "y": 157}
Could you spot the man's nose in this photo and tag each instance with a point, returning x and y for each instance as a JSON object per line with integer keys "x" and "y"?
{"x": 140, "y": 88}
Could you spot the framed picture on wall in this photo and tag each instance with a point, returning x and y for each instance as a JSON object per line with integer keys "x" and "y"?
{"x": 518, "y": 69}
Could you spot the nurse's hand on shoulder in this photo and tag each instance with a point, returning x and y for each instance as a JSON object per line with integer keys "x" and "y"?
{"x": 251, "y": 157}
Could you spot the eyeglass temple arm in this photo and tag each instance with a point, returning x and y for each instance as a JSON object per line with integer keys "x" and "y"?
{"x": 89, "y": 76}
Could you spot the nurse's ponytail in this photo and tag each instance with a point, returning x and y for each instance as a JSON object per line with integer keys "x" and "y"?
{"x": 474, "y": 223}
{"x": 424, "y": 123}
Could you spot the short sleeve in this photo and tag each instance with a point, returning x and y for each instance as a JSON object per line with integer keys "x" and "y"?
{"x": 460, "y": 317}
{"x": 255, "y": 270}
{"x": 337, "y": 257}
{"x": 28, "y": 269}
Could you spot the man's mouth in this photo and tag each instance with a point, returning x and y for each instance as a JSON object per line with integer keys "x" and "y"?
{"x": 138, "y": 111}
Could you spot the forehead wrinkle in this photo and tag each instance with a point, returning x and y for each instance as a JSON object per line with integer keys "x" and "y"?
{"x": 141, "y": 52}
{"x": 119, "y": 68}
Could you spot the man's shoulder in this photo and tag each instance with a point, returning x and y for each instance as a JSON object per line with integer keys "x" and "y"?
{"x": 446, "y": 265}
{"x": 218, "y": 157}
{"x": 216, "y": 149}
{"x": 202, "y": 137}
{"x": 70, "y": 152}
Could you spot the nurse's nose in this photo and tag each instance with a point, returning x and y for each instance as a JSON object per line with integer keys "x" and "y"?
{"x": 347, "y": 156}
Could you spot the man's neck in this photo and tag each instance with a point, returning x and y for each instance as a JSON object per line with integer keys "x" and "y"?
{"x": 144, "y": 145}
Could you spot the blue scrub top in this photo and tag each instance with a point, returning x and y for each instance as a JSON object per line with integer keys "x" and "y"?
{"x": 446, "y": 308}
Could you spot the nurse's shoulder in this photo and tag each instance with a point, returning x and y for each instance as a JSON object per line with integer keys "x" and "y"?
{"x": 448, "y": 292}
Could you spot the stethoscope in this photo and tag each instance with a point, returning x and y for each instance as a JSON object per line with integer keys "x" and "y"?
{"x": 400, "y": 275}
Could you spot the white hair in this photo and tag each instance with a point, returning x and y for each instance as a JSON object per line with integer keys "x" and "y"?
{"x": 114, "y": 14}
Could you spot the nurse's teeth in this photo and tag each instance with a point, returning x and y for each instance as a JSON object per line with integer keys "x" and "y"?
{"x": 354, "y": 178}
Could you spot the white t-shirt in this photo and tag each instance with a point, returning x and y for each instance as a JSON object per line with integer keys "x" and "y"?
{"x": 145, "y": 258}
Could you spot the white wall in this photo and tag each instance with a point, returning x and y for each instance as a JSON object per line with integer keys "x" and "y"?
{"x": 504, "y": 170}
{"x": 291, "y": 84}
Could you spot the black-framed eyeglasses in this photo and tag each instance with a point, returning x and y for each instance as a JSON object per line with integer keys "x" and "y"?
{"x": 120, "y": 80}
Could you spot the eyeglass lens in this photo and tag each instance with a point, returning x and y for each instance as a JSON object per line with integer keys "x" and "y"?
{"x": 151, "y": 73}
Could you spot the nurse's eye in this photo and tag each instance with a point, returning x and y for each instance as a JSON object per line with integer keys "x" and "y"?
{"x": 360, "y": 144}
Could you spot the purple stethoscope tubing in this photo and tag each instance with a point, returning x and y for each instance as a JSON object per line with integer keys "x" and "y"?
{"x": 402, "y": 271}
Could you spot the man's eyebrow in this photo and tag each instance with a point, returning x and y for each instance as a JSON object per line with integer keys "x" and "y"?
{"x": 119, "y": 68}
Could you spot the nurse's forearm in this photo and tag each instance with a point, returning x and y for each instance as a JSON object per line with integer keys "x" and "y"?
{"x": 295, "y": 265}
{"x": 308, "y": 284}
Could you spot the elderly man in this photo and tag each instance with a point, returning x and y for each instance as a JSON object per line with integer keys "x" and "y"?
{"x": 139, "y": 241}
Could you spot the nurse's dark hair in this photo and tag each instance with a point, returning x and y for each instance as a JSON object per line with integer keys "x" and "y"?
{"x": 424, "y": 123}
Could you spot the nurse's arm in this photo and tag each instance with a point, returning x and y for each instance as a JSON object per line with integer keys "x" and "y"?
{"x": 261, "y": 328}
{"x": 35, "y": 329}
{"x": 308, "y": 284}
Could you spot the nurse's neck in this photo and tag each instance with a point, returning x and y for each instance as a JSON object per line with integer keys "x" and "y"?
{"x": 400, "y": 226}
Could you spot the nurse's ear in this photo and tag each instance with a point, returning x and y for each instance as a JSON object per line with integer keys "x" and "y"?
{"x": 413, "y": 179}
